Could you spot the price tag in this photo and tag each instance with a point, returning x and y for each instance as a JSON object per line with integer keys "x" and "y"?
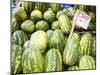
{"x": 81, "y": 19}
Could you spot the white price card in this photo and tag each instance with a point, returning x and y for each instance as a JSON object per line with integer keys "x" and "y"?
{"x": 81, "y": 19}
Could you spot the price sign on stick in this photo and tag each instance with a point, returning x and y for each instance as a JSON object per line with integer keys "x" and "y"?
{"x": 81, "y": 20}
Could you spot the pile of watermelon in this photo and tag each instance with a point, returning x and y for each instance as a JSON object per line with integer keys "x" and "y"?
{"x": 40, "y": 40}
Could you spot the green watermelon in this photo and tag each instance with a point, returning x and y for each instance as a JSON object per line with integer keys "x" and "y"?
{"x": 28, "y": 26}
{"x": 55, "y": 25}
{"x": 42, "y": 6}
{"x": 94, "y": 46}
{"x": 38, "y": 40}
{"x": 28, "y": 7}
{"x": 53, "y": 61}
{"x": 49, "y": 34}
{"x": 73, "y": 68}
{"x": 19, "y": 14}
{"x": 19, "y": 37}
{"x": 71, "y": 51}
{"x": 32, "y": 61}
{"x": 14, "y": 25}
{"x": 56, "y": 7}
{"x": 26, "y": 44}
{"x": 59, "y": 13}
{"x": 86, "y": 44}
{"x": 92, "y": 26}
{"x": 65, "y": 24}
{"x": 36, "y": 15}
{"x": 87, "y": 62}
{"x": 16, "y": 57}
{"x": 49, "y": 16}
{"x": 42, "y": 25}
{"x": 57, "y": 40}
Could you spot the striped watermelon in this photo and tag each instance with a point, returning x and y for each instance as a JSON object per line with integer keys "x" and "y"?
{"x": 56, "y": 7}
{"x": 32, "y": 61}
{"x": 87, "y": 62}
{"x": 28, "y": 7}
{"x": 28, "y": 26}
{"x": 42, "y": 25}
{"x": 55, "y": 25}
{"x": 26, "y": 44}
{"x": 38, "y": 40}
{"x": 16, "y": 58}
{"x": 57, "y": 39}
{"x": 14, "y": 25}
{"x": 53, "y": 61}
{"x": 19, "y": 14}
{"x": 19, "y": 37}
{"x": 71, "y": 51}
{"x": 49, "y": 16}
{"x": 86, "y": 44}
{"x": 65, "y": 24}
{"x": 42, "y": 6}
{"x": 36, "y": 15}
{"x": 73, "y": 68}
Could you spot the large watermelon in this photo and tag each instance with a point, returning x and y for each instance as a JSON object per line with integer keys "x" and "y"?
{"x": 53, "y": 61}
{"x": 19, "y": 14}
{"x": 71, "y": 51}
{"x": 59, "y": 13}
{"x": 19, "y": 37}
{"x": 38, "y": 40}
{"x": 42, "y": 25}
{"x": 28, "y": 26}
{"x": 32, "y": 61}
{"x": 28, "y": 7}
{"x": 49, "y": 34}
{"x": 16, "y": 58}
{"x": 49, "y": 16}
{"x": 57, "y": 40}
{"x": 42, "y": 6}
{"x": 56, "y": 7}
{"x": 36, "y": 15}
{"x": 14, "y": 25}
{"x": 55, "y": 25}
{"x": 73, "y": 68}
{"x": 87, "y": 62}
{"x": 86, "y": 44}
{"x": 65, "y": 24}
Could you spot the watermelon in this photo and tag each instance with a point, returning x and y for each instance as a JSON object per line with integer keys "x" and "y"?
{"x": 57, "y": 39}
{"x": 73, "y": 68}
{"x": 42, "y": 25}
{"x": 65, "y": 24}
{"x": 94, "y": 46}
{"x": 28, "y": 26}
{"x": 36, "y": 15}
{"x": 56, "y": 7}
{"x": 53, "y": 61}
{"x": 19, "y": 37}
{"x": 42, "y": 6}
{"x": 19, "y": 14}
{"x": 92, "y": 26}
{"x": 28, "y": 7}
{"x": 59, "y": 13}
{"x": 14, "y": 25}
{"x": 55, "y": 25}
{"x": 87, "y": 62}
{"x": 71, "y": 50}
{"x": 49, "y": 16}
{"x": 32, "y": 61}
{"x": 86, "y": 44}
{"x": 16, "y": 57}
{"x": 49, "y": 34}
{"x": 38, "y": 40}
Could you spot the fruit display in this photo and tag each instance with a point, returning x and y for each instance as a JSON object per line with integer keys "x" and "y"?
{"x": 40, "y": 39}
